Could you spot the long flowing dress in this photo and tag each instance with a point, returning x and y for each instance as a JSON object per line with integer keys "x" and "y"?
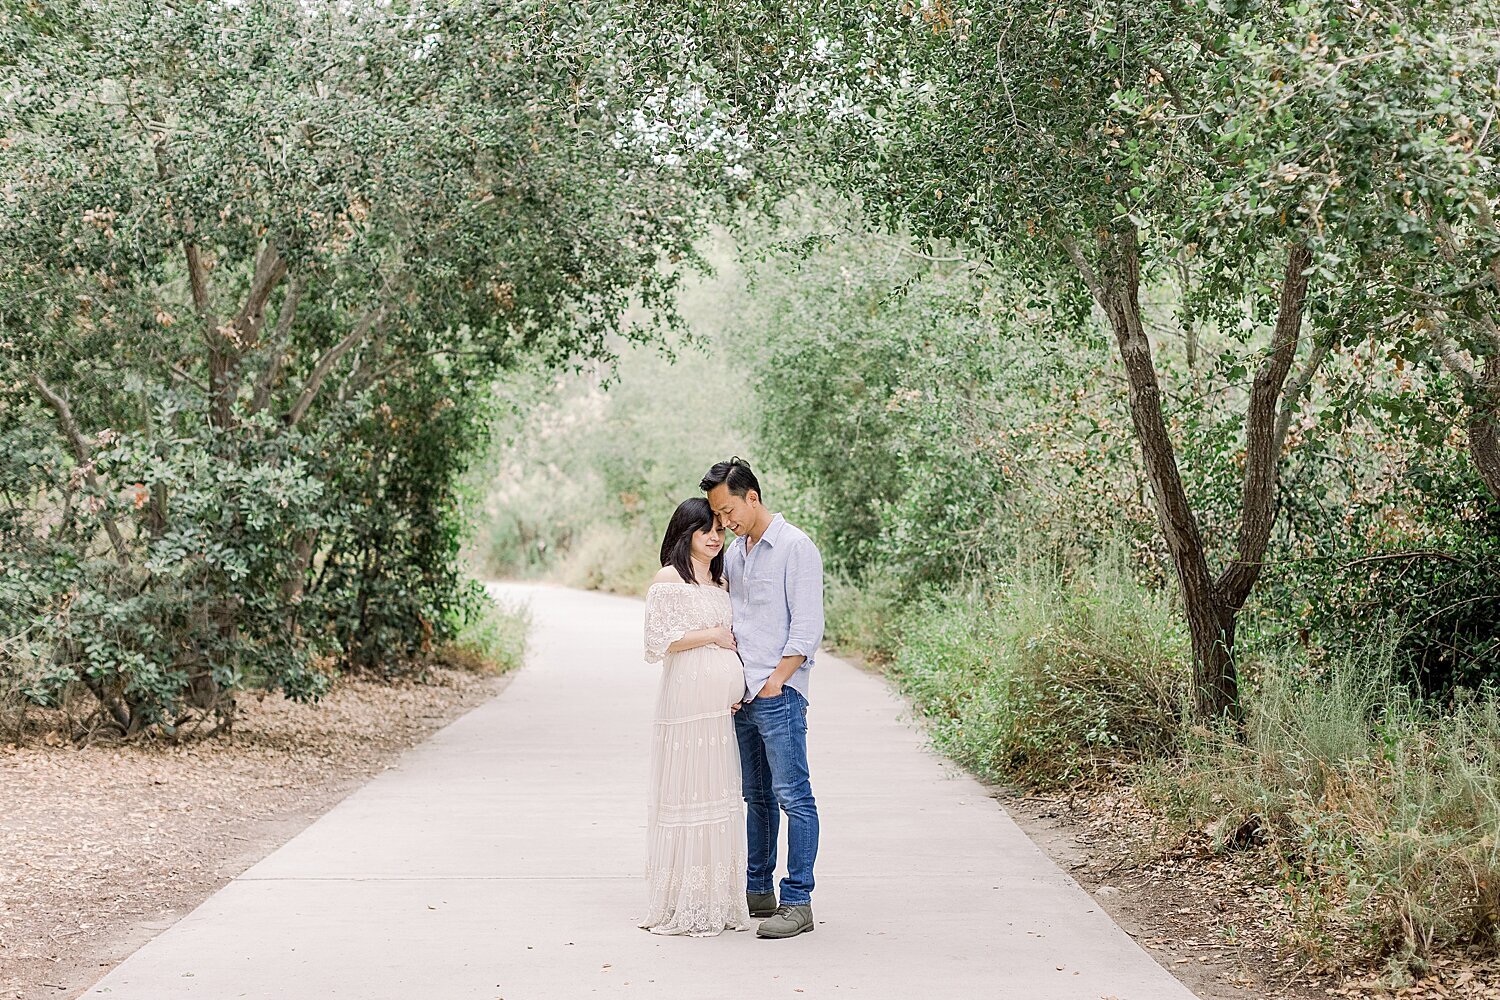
{"x": 695, "y": 817}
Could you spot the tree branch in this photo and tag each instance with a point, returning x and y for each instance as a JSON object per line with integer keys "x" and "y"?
{"x": 1413, "y": 554}
{"x": 1487, "y": 219}
{"x": 197, "y": 273}
{"x": 227, "y": 346}
{"x": 1262, "y": 454}
{"x": 1491, "y": 332}
{"x": 1448, "y": 247}
{"x": 1085, "y": 269}
{"x": 1182, "y": 107}
{"x": 1452, "y": 360}
{"x": 81, "y": 453}
{"x": 1296, "y": 388}
{"x": 361, "y": 376}
{"x": 270, "y": 268}
{"x": 1484, "y": 425}
{"x": 284, "y": 318}
{"x": 325, "y": 365}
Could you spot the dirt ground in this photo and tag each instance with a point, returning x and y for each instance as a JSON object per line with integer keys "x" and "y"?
{"x": 1204, "y": 922}
{"x": 102, "y": 847}
{"x": 1212, "y": 920}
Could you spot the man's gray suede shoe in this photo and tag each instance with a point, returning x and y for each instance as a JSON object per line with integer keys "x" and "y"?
{"x": 789, "y": 921}
{"x": 762, "y": 904}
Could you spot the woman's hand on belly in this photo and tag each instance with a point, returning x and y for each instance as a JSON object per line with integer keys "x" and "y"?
{"x": 722, "y": 637}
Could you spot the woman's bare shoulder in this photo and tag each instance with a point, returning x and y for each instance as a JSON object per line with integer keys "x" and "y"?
{"x": 668, "y": 574}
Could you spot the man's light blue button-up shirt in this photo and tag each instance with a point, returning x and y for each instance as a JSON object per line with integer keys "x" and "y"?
{"x": 777, "y": 592}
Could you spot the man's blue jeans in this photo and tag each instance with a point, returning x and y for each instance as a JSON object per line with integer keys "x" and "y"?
{"x": 772, "y": 734}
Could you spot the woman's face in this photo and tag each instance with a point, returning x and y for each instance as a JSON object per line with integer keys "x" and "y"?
{"x": 709, "y": 542}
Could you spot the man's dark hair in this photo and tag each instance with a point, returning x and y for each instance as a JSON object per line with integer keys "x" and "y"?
{"x": 735, "y": 474}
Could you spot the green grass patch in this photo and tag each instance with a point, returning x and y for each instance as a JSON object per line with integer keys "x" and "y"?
{"x": 1045, "y": 683}
{"x": 490, "y": 638}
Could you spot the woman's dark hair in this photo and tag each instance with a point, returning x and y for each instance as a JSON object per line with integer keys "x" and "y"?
{"x": 693, "y": 514}
{"x": 734, "y": 473}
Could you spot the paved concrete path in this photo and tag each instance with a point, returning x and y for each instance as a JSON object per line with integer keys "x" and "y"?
{"x": 502, "y": 859}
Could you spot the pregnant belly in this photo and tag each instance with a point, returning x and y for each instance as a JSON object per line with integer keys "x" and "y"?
{"x": 722, "y": 671}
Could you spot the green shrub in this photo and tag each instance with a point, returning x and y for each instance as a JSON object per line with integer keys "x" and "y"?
{"x": 1045, "y": 683}
{"x": 862, "y": 616}
{"x": 239, "y": 393}
{"x": 489, "y": 638}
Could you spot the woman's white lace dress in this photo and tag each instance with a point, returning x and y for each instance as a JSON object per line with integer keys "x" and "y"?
{"x": 695, "y": 819}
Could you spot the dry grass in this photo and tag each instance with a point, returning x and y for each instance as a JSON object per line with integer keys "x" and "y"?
{"x": 1383, "y": 814}
{"x": 1222, "y": 920}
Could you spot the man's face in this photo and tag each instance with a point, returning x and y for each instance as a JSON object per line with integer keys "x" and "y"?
{"x": 736, "y": 513}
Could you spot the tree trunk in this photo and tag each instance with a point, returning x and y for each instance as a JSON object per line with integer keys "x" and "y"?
{"x": 1116, "y": 287}
{"x": 1484, "y": 426}
{"x": 296, "y": 579}
{"x": 1216, "y": 691}
{"x": 1211, "y": 606}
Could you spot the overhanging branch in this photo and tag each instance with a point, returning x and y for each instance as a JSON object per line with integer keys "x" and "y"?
{"x": 82, "y": 454}
{"x": 284, "y": 318}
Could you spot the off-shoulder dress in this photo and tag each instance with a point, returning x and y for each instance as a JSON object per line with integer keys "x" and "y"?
{"x": 695, "y": 819}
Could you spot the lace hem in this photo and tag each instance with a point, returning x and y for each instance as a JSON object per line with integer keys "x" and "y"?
{"x": 699, "y": 901}
{"x": 691, "y": 718}
{"x": 715, "y": 812}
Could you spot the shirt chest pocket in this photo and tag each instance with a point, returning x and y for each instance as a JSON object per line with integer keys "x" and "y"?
{"x": 762, "y": 592}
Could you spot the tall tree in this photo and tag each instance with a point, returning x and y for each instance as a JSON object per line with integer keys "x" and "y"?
{"x": 1114, "y": 148}
{"x": 258, "y": 264}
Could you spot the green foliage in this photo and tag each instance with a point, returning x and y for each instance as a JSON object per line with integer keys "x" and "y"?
{"x": 1044, "y": 682}
{"x": 957, "y": 426}
{"x": 1447, "y": 610}
{"x": 259, "y": 269}
{"x": 1030, "y": 665}
{"x": 1217, "y": 155}
{"x": 967, "y": 431}
{"x": 587, "y": 469}
{"x": 1396, "y": 531}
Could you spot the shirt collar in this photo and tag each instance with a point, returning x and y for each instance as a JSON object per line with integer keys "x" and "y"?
{"x": 772, "y": 531}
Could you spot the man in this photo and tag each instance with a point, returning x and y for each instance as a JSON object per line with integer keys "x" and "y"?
{"x": 775, "y": 579}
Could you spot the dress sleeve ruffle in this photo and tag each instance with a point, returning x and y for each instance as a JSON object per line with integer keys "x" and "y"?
{"x": 668, "y": 618}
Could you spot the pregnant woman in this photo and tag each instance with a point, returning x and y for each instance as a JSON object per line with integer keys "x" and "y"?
{"x": 695, "y": 821}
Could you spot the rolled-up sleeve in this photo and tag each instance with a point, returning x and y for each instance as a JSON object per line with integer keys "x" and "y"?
{"x": 804, "y": 592}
